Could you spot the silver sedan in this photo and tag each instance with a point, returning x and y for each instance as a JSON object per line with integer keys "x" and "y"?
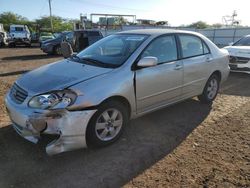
{"x": 88, "y": 99}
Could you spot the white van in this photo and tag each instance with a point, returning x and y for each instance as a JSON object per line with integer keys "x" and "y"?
{"x": 3, "y": 36}
{"x": 19, "y": 34}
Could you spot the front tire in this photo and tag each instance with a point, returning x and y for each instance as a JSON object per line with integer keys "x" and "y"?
{"x": 107, "y": 124}
{"x": 211, "y": 90}
{"x": 12, "y": 45}
{"x": 57, "y": 50}
{"x": 28, "y": 45}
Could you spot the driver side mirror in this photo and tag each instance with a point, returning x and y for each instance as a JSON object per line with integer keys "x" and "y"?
{"x": 148, "y": 61}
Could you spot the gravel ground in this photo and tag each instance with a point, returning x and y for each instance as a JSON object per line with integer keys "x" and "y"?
{"x": 186, "y": 145}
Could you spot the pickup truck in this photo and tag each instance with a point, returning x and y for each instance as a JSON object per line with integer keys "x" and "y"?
{"x": 19, "y": 35}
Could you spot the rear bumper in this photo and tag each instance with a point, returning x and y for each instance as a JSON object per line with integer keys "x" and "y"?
{"x": 20, "y": 41}
{"x": 69, "y": 126}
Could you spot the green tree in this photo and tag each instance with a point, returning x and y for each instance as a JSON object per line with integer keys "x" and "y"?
{"x": 8, "y": 18}
{"x": 59, "y": 23}
{"x": 217, "y": 25}
{"x": 120, "y": 20}
{"x": 199, "y": 25}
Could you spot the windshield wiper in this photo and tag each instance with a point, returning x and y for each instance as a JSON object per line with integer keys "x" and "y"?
{"x": 74, "y": 56}
{"x": 97, "y": 63}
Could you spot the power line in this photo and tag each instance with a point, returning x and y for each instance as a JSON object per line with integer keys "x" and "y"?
{"x": 41, "y": 10}
{"x": 50, "y": 13}
{"x": 109, "y": 6}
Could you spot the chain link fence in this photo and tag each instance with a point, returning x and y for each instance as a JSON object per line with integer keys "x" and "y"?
{"x": 221, "y": 37}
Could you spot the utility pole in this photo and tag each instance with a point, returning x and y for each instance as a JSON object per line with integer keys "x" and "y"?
{"x": 50, "y": 12}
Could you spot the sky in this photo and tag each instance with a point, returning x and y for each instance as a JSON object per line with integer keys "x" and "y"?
{"x": 176, "y": 12}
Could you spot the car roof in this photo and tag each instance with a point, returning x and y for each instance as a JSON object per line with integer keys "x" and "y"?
{"x": 83, "y": 30}
{"x": 16, "y": 25}
{"x": 156, "y": 32}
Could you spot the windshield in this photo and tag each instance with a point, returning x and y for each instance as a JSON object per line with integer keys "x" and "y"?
{"x": 18, "y": 29}
{"x": 47, "y": 34}
{"x": 113, "y": 50}
{"x": 243, "y": 42}
{"x": 61, "y": 35}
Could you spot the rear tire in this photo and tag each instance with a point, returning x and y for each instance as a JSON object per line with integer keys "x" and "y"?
{"x": 12, "y": 45}
{"x": 28, "y": 45}
{"x": 107, "y": 124}
{"x": 211, "y": 90}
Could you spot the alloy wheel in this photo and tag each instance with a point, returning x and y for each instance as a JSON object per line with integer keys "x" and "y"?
{"x": 109, "y": 124}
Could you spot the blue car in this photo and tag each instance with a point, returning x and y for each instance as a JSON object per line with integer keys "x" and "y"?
{"x": 53, "y": 46}
{"x": 78, "y": 40}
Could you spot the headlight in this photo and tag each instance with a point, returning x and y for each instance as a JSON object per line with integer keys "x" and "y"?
{"x": 53, "y": 100}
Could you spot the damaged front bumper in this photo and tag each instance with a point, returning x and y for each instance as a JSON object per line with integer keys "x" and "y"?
{"x": 69, "y": 125}
{"x": 239, "y": 63}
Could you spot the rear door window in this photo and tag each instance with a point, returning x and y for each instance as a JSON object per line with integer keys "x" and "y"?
{"x": 205, "y": 49}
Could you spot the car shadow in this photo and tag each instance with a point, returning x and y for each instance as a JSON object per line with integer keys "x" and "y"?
{"x": 234, "y": 84}
{"x": 145, "y": 141}
{"x": 13, "y": 73}
{"x": 28, "y": 57}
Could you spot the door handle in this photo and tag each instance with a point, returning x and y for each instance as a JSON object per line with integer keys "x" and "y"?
{"x": 178, "y": 67}
{"x": 208, "y": 59}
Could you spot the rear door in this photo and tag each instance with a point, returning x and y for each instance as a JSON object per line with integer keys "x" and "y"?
{"x": 159, "y": 85}
{"x": 196, "y": 61}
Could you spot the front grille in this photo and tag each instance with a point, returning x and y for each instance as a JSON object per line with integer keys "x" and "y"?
{"x": 239, "y": 60}
{"x": 18, "y": 94}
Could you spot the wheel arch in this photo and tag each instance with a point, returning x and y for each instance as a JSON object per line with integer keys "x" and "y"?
{"x": 217, "y": 73}
{"x": 54, "y": 48}
{"x": 121, "y": 99}
{"x": 89, "y": 140}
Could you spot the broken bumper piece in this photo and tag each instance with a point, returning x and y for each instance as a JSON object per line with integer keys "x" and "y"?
{"x": 69, "y": 125}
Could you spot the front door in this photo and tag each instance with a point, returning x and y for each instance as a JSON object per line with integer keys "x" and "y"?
{"x": 161, "y": 84}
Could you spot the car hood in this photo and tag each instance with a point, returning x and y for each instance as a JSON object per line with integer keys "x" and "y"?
{"x": 59, "y": 75}
{"x": 239, "y": 51}
{"x": 54, "y": 40}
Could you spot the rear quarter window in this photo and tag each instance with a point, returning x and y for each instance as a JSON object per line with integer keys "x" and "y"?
{"x": 191, "y": 46}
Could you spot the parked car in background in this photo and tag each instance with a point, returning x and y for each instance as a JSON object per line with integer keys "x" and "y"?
{"x": 56, "y": 34}
{"x": 19, "y": 35}
{"x": 53, "y": 46}
{"x": 3, "y": 36}
{"x": 45, "y": 36}
{"x": 89, "y": 98}
{"x": 84, "y": 38}
{"x": 78, "y": 40}
{"x": 1, "y": 40}
{"x": 34, "y": 37}
{"x": 240, "y": 54}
